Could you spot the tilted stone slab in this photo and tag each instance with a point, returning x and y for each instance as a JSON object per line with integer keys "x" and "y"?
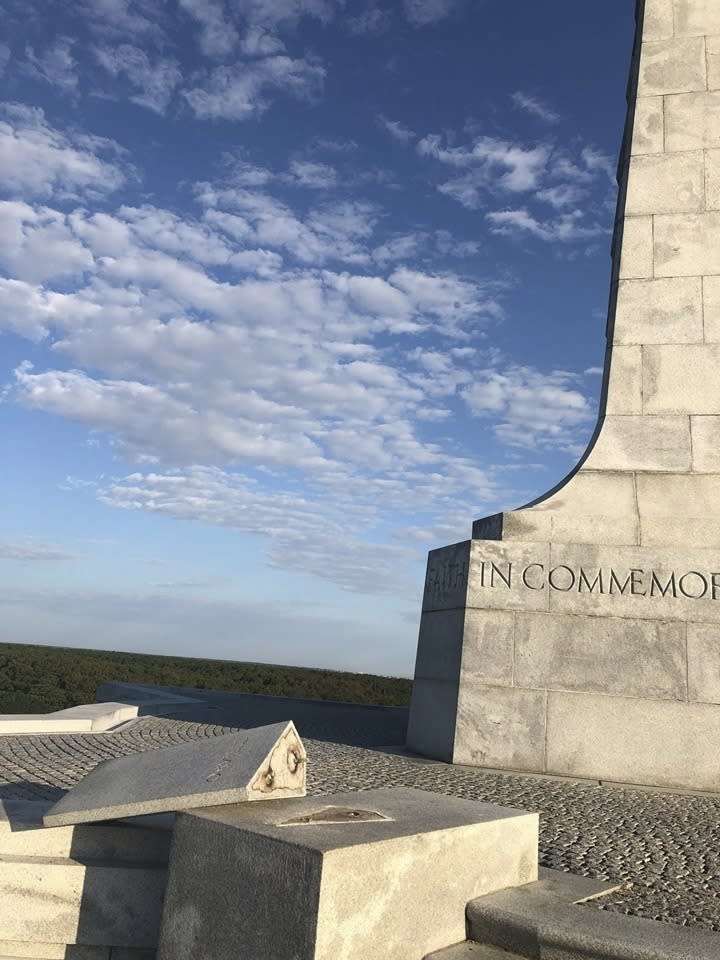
{"x": 260, "y": 764}
{"x": 377, "y": 875}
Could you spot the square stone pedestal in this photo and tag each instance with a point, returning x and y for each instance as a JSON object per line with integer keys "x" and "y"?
{"x": 377, "y": 875}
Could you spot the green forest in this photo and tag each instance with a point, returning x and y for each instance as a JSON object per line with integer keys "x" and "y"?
{"x": 35, "y": 679}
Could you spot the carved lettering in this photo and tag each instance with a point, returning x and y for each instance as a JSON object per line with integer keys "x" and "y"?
{"x": 562, "y": 578}
{"x": 615, "y": 582}
{"x": 687, "y": 593}
{"x": 506, "y": 578}
{"x": 670, "y": 585}
{"x": 541, "y": 567}
{"x": 635, "y": 576}
{"x": 597, "y": 582}
{"x": 556, "y": 581}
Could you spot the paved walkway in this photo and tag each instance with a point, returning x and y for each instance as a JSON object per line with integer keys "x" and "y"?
{"x": 665, "y": 848}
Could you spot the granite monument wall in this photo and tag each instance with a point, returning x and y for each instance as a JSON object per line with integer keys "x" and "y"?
{"x": 580, "y": 635}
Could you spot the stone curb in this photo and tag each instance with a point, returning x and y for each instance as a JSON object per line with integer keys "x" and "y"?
{"x": 544, "y": 919}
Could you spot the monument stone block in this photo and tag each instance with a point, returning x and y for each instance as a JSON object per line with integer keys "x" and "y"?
{"x": 377, "y": 875}
{"x": 259, "y": 764}
{"x": 609, "y": 585}
{"x": 649, "y": 133}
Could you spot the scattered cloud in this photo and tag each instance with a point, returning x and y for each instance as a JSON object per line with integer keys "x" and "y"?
{"x": 423, "y": 12}
{"x": 244, "y": 89}
{"x": 154, "y": 81}
{"x": 36, "y": 159}
{"x": 533, "y": 409}
{"x": 397, "y": 130}
{"x": 218, "y": 36}
{"x": 31, "y": 550}
{"x": 374, "y": 20}
{"x": 535, "y": 107}
{"x": 567, "y": 228}
{"x": 55, "y": 64}
{"x": 4, "y": 57}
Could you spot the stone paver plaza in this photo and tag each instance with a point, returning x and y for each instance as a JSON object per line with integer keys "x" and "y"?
{"x": 663, "y": 847}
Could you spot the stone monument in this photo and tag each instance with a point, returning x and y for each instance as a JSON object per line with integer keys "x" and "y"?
{"x": 580, "y": 635}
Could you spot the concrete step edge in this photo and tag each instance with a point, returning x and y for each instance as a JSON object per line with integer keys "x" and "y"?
{"x": 541, "y": 916}
{"x": 470, "y": 950}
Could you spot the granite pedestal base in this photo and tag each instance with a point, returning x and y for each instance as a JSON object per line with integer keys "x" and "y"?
{"x": 381, "y": 874}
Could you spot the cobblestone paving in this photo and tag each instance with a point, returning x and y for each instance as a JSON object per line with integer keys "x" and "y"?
{"x": 664, "y": 848}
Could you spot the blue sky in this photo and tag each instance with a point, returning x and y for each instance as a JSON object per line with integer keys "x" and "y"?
{"x": 291, "y": 291}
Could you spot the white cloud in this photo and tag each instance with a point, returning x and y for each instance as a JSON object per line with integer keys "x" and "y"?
{"x": 271, "y": 13}
{"x": 218, "y": 36}
{"x": 30, "y": 550}
{"x": 36, "y": 159}
{"x": 422, "y": 12}
{"x": 533, "y": 409}
{"x": 55, "y": 64}
{"x": 155, "y": 81}
{"x": 567, "y": 228}
{"x": 114, "y": 18}
{"x": 24, "y": 309}
{"x": 237, "y": 92}
{"x": 402, "y": 247}
{"x": 374, "y": 20}
{"x": 534, "y": 106}
{"x": 38, "y": 245}
{"x": 396, "y": 129}
{"x": 490, "y": 164}
{"x": 311, "y": 174}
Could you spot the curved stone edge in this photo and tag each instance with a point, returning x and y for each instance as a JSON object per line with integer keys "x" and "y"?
{"x": 546, "y": 916}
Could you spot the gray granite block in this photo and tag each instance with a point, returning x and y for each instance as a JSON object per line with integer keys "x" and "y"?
{"x": 377, "y": 875}
{"x": 260, "y": 764}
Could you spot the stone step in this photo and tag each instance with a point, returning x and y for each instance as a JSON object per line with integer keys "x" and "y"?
{"x": 472, "y": 951}
{"x": 14, "y": 950}
{"x": 547, "y": 918}
{"x": 22, "y": 834}
{"x": 93, "y": 903}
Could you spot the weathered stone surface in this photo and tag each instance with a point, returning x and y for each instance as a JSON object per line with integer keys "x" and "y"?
{"x": 255, "y": 880}
{"x": 711, "y": 302}
{"x": 433, "y": 710}
{"x": 440, "y": 645}
{"x": 491, "y": 568}
{"x": 60, "y": 951}
{"x": 713, "y": 62}
{"x": 446, "y": 577}
{"x": 487, "y": 655}
{"x": 692, "y": 121}
{"x": 659, "y": 311}
{"x": 623, "y": 657}
{"x": 696, "y": 18}
{"x": 649, "y": 129}
{"x": 681, "y": 379}
{"x": 664, "y": 742}
{"x": 592, "y": 508}
{"x": 666, "y": 183}
{"x": 636, "y": 257}
{"x": 22, "y": 834}
{"x": 712, "y": 179}
{"x": 659, "y": 443}
{"x": 658, "y": 20}
{"x": 263, "y": 763}
{"x": 45, "y": 900}
{"x": 500, "y": 727}
{"x": 672, "y": 66}
{"x": 703, "y": 642}
{"x": 705, "y": 432}
{"x": 625, "y": 384}
{"x": 687, "y": 245}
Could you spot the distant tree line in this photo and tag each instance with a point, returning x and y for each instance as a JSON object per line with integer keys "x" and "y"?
{"x": 35, "y": 679}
